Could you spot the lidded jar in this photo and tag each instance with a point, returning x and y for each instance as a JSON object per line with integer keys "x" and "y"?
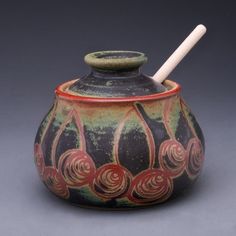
{"x": 118, "y": 139}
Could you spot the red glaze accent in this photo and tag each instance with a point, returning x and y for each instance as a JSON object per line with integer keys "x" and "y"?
{"x": 72, "y": 115}
{"x": 166, "y": 115}
{"x": 39, "y": 159}
{"x": 61, "y": 93}
{"x": 76, "y": 167}
{"x": 117, "y": 135}
{"x": 150, "y": 186}
{"x": 111, "y": 181}
{"x": 172, "y": 157}
{"x": 150, "y": 139}
{"x": 80, "y": 127}
{"x": 55, "y": 182}
{"x": 195, "y": 158}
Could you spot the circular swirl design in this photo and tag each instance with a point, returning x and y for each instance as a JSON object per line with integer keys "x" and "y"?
{"x": 55, "y": 182}
{"x": 195, "y": 157}
{"x": 77, "y": 168}
{"x": 172, "y": 157}
{"x": 151, "y": 186}
{"x": 39, "y": 159}
{"x": 111, "y": 181}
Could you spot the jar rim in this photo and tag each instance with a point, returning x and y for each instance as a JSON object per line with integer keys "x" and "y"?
{"x": 63, "y": 92}
{"x": 115, "y": 59}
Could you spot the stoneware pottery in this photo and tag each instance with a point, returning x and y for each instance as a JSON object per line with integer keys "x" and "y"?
{"x": 116, "y": 138}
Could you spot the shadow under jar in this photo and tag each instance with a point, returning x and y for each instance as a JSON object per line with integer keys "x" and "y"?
{"x": 116, "y": 138}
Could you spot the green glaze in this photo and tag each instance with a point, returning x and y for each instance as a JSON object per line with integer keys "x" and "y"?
{"x": 115, "y": 60}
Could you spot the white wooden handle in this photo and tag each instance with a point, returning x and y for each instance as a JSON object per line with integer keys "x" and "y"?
{"x": 179, "y": 53}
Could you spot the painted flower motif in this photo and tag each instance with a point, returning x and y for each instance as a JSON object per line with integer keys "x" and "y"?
{"x": 151, "y": 186}
{"x": 39, "y": 159}
{"x": 77, "y": 168}
{"x": 195, "y": 157}
{"x": 172, "y": 157}
{"x": 111, "y": 181}
{"x": 55, "y": 182}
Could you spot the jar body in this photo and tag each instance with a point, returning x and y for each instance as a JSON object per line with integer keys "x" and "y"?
{"x": 119, "y": 154}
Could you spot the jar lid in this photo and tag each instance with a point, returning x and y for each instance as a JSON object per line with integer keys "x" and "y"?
{"x": 115, "y": 74}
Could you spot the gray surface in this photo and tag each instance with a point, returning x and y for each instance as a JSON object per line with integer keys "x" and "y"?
{"x": 42, "y": 45}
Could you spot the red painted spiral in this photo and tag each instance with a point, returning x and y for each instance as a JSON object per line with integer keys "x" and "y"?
{"x": 111, "y": 181}
{"x": 77, "y": 167}
{"x": 172, "y": 157}
{"x": 195, "y": 157}
{"x": 151, "y": 186}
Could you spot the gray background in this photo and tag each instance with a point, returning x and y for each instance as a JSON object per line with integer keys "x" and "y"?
{"x": 42, "y": 44}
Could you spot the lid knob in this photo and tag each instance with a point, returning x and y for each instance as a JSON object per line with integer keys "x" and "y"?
{"x": 115, "y": 60}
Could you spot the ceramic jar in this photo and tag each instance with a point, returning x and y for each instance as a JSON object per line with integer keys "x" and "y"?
{"x": 116, "y": 139}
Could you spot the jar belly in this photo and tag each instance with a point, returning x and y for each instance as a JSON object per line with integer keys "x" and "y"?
{"x": 119, "y": 155}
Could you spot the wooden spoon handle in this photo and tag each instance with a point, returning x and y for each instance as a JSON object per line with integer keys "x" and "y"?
{"x": 179, "y": 53}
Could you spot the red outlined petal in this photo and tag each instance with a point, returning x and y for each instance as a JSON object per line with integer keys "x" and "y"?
{"x": 39, "y": 159}
{"x": 55, "y": 182}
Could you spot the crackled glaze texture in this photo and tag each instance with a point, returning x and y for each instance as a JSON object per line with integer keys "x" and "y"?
{"x": 119, "y": 154}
